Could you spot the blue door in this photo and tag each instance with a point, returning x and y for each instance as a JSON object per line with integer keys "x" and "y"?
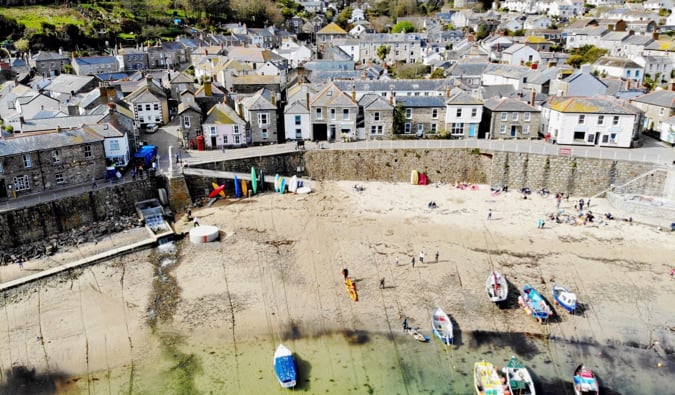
{"x": 472, "y": 130}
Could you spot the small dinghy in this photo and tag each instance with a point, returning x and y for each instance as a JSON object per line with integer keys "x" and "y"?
{"x": 441, "y": 326}
{"x": 534, "y": 304}
{"x": 585, "y": 382}
{"x": 284, "y": 367}
{"x": 497, "y": 288}
{"x": 565, "y": 298}
{"x": 486, "y": 379}
{"x": 417, "y": 335}
{"x": 518, "y": 378}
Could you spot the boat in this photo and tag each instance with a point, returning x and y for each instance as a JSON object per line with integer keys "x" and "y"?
{"x": 565, "y": 298}
{"x": 486, "y": 379}
{"x": 417, "y": 335}
{"x": 518, "y": 378}
{"x": 441, "y": 326}
{"x": 534, "y": 304}
{"x": 497, "y": 288}
{"x": 284, "y": 367}
{"x": 585, "y": 382}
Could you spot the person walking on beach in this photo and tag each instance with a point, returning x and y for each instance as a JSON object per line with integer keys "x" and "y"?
{"x": 189, "y": 213}
{"x": 581, "y": 204}
{"x": 489, "y": 214}
{"x": 588, "y": 203}
{"x": 382, "y": 283}
{"x": 196, "y": 222}
{"x": 421, "y": 256}
{"x": 413, "y": 262}
{"x": 345, "y": 273}
{"x": 21, "y": 264}
{"x": 396, "y": 262}
{"x": 405, "y": 325}
{"x": 436, "y": 256}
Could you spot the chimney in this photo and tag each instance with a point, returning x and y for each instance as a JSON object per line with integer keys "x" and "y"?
{"x": 353, "y": 93}
{"x": 241, "y": 110}
{"x": 627, "y": 84}
{"x": 655, "y": 36}
{"x": 533, "y": 94}
{"x": 447, "y": 91}
{"x": 307, "y": 98}
{"x": 207, "y": 88}
{"x": 148, "y": 80}
{"x": 610, "y": 27}
{"x": 470, "y": 38}
{"x": 631, "y": 32}
{"x": 274, "y": 99}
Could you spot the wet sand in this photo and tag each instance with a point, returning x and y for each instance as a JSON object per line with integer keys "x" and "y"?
{"x": 221, "y": 308}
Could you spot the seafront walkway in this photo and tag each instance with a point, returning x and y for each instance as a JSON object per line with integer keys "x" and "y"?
{"x": 117, "y": 251}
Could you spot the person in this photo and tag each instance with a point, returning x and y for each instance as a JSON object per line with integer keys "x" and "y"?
{"x": 177, "y": 158}
{"x": 345, "y": 273}
{"x": 489, "y": 214}
{"x": 20, "y": 263}
{"x": 588, "y": 203}
{"x": 421, "y": 256}
{"x": 223, "y": 148}
{"x": 196, "y": 222}
{"x": 189, "y": 213}
{"x": 405, "y": 324}
{"x": 413, "y": 262}
{"x": 396, "y": 262}
{"x": 382, "y": 283}
{"x": 581, "y": 204}
{"x": 93, "y": 182}
{"x": 436, "y": 256}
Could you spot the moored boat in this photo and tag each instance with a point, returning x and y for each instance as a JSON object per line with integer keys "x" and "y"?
{"x": 417, "y": 335}
{"x": 284, "y": 367}
{"x": 486, "y": 379}
{"x": 497, "y": 288}
{"x": 565, "y": 298}
{"x": 441, "y": 326}
{"x": 518, "y": 378}
{"x": 534, "y": 304}
{"x": 585, "y": 382}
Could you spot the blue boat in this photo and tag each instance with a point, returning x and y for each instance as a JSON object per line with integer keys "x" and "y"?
{"x": 442, "y": 326}
{"x": 565, "y": 298}
{"x": 534, "y": 304}
{"x": 284, "y": 367}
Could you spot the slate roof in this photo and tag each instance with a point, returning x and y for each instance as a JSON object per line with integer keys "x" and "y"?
{"x": 65, "y": 83}
{"x": 333, "y": 96}
{"x": 658, "y": 98}
{"x": 296, "y": 107}
{"x": 261, "y": 100}
{"x": 469, "y": 69}
{"x": 588, "y": 105}
{"x": 31, "y": 142}
{"x": 491, "y": 91}
{"x": 63, "y": 121}
{"x": 373, "y": 102}
{"x": 617, "y": 62}
{"x": 460, "y": 97}
{"x": 439, "y": 85}
{"x": 422, "y": 101}
{"x": 91, "y": 60}
{"x": 508, "y": 104}
{"x": 223, "y": 114}
{"x": 106, "y": 130}
{"x": 48, "y": 56}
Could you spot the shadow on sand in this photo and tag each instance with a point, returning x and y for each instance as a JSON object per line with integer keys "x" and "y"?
{"x": 24, "y": 380}
{"x": 304, "y": 373}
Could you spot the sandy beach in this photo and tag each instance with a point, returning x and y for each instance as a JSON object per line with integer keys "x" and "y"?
{"x": 275, "y": 276}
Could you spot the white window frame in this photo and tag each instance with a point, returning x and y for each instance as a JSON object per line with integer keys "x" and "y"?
{"x": 376, "y": 116}
{"x": 457, "y": 129}
{"x": 526, "y": 129}
{"x": 333, "y": 114}
{"x": 263, "y": 119}
{"x": 59, "y": 179}
{"x": 213, "y": 131}
{"x": 474, "y": 112}
{"x": 504, "y": 116}
{"x": 56, "y": 156}
{"x": 186, "y": 121}
{"x": 319, "y": 113}
{"x": 615, "y": 120}
{"x": 434, "y": 113}
{"x": 514, "y": 116}
{"x": 581, "y": 120}
{"x": 346, "y": 114}
{"x": 408, "y": 113}
{"x": 27, "y": 161}
{"x": 502, "y": 129}
{"x": 21, "y": 183}
{"x": 407, "y": 128}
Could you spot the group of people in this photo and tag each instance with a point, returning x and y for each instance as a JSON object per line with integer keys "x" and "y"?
{"x": 432, "y": 204}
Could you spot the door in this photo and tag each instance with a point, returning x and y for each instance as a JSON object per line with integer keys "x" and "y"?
{"x": 213, "y": 142}
{"x": 597, "y": 138}
{"x": 472, "y": 130}
{"x": 3, "y": 189}
{"x": 514, "y": 130}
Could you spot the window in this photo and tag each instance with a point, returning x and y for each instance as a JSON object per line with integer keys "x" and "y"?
{"x": 459, "y": 113}
{"x": 474, "y": 112}
{"x": 58, "y": 177}
{"x": 661, "y": 111}
{"x": 224, "y": 139}
{"x": 298, "y": 133}
{"x": 505, "y": 116}
{"x": 235, "y": 129}
{"x": 615, "y": 121}
{"x": 319, "y": 114}
{"x": 408, "y": 113}
{"x": 27, "y": 161}
{"x": 212, "y": 130}
{"x": 526, "y": 116}
{"x": 590, "y": 138}
{"x": 263, "y": 119}
{"x": 605, "y": 138}
{"x": 502, "y": 129}
{"x": 156, "y": 106}
{"x": 579, "y": 135}
{"x": 376, "y": 116}
{"x": 114, "y": 145}
{"x": 237, "y": 139}
{"x": 433, "y": 128}
{"x": 264, "y": 133}
{"x": 21, "y": 183}
{"x": 582, "y": 119}
{"x": 514, "y": 116}
{"x": 407, "y": 128}
{"x": 139, "y": 107}
{"x": 186, "y": 121}
{"x": 332, "y": 114}
{"x": 345, "y": 114}
{"x": 612, "y": 138}
{"x": 157, "y": 119}
{"x": 526, "y": 129}
{"x": 376, "y": 129}
{"x": 601, "y": 119}
{"x": 457, "y": 129}
{"x": 434, "y": 113}
{"x": 56, "y": 156}
{"x": 147, "y": 107}
{"x": 298, "y": 120}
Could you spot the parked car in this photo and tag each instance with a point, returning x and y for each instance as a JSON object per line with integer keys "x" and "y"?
{"x": 151, "y": 128}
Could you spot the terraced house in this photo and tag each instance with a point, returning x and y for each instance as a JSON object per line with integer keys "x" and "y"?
{"x": 509, "y": 118}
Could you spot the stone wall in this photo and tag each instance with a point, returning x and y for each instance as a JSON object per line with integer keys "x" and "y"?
{"x": 42, "y": 221}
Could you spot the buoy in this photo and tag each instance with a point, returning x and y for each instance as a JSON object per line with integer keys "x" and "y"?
{"x": 659, "y": 364}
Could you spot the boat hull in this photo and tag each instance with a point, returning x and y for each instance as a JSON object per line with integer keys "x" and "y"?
{"x": 497, "y": 287}
{"x": 585, "y": 382}
{"x": 284, "y": 367}
{"x": 518, "y": 378}
{"x": 534, "y": 304}
{"x": 566, "y": 299}
{"x": 486, "y": 380}
{"x": 442, "y": 326}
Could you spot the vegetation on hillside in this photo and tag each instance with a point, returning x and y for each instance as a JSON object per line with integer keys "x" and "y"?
{"x": 585, "y": 54}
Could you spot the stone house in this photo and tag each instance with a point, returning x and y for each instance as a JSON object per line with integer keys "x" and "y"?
{"x": 604, "y": 122}
{"x": 509, "y": 118}
{"x": 89, "y": 65}
{"x": 463, "y": 113}
{"x": 150, "y": 104}
{"x": 333, "y": 114}
{"x": 260, "y": 112}
{"x": 180, "y": 83}
{"x": 48, "y": 63}
{"x": 378, "y": 117}
{"x": 658, "y": 106}
{"x": 188, "y": 119}
{"x": 223, "y": 127}
{"x": 423, "y": 114}
{"x": 132, "y": 59}
{"x": 52, "y": 160}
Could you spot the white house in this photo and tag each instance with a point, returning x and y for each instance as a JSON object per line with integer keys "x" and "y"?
{"x": 502, "y": 74}
{"x": 590, "y": 121}
{"x": 115, "y": 143}
{"x": 297, "y": 124}
{"x": 619, "y": 68}
{"x": 296, "y": 54}
{"x": 462, "y": 116}
{"x": 520, "y": 54}
{"x": 658, "y": 4}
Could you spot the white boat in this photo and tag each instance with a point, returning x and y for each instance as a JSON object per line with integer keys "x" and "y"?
{"x": 585, "y": 382}
{"x": 441, "y": 326}
{"x": 417, "y": 335}
{"x": 497, "y": 288}
{"x": 486, "y": 379}
{"x": 565, "y": 298}
{"x": 518, "y": 378}
{"x": 284, "y": 367}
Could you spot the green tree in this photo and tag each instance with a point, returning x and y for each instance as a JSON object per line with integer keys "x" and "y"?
{"x": 588, "y": 54}
{"x": 398, "y": 123}
{"x": 22, "y": 45}
{"x": 343, "y": 17}
{"x": 437, "y": 74}
{"x": 383, "y": 51}
{"x": 403, "y": 27}
{"x": 575, "y": 60}
{"x": 482, "y": 31}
